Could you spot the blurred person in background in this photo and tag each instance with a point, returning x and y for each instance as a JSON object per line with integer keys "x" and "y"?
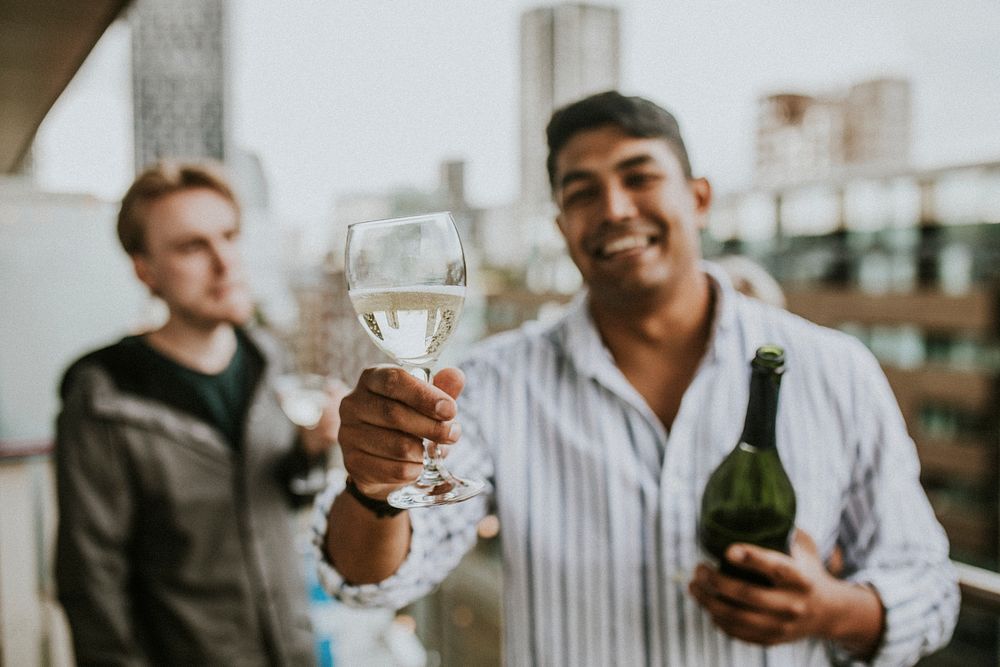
{"x": 750, "y": 278}
{"x": 598, "y": 433}
{"x": 174, "y": 461}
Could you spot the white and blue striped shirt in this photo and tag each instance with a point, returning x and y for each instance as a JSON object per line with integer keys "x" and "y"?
{"x": 598, "y": 501}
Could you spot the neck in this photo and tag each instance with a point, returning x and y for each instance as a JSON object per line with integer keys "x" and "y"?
{"x": 675, "y": 325}
{"x": 204, "y": 348}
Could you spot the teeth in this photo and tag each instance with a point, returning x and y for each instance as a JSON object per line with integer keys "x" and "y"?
{"x": 624, "y": 243}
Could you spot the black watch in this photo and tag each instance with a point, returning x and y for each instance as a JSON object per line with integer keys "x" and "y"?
{"x": 379, "y": 507}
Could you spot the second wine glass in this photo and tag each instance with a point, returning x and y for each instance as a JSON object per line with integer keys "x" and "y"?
{"x": 406, "y": 280}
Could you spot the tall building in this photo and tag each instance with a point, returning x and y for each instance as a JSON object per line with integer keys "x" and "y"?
{"x": 179, "y": 80}
{"x": 798, "y": 138}
{"x": 878, "y": 123}
{"x": 567, "y": 51}
{"x": 327, "y": 338}
{"x": 805, "y": 138}
{"x": 448, "y": 196}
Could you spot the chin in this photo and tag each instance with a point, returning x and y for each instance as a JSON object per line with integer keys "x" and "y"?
{"x": 236, "y": 311}
{"x": 241, "y": 314}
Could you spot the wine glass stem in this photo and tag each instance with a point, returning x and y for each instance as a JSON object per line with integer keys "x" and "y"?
{"x": 434, "y": 471}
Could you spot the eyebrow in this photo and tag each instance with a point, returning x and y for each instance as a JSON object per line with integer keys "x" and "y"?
{"x": 636, "y": 161}
{"x": 185, "y": 240}
{"x": 628, "y": 163}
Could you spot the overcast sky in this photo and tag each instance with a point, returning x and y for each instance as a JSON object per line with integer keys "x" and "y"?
{"x": 342, "y": 96}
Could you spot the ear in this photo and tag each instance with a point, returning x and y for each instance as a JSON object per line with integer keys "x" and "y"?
{"x": 702, "y": 191}
{"x": 144, "y": 272}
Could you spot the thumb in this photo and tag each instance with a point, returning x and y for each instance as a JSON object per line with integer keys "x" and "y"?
{"x": 450, "y": 380}
{"x": 803, "y": 542}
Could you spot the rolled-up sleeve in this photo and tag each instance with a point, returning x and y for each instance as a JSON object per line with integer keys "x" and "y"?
{"x": 440, "y": 537}
{"x": 892, "y": 540}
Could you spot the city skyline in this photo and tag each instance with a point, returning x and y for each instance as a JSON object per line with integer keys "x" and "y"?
{"x": 415, "y": 86}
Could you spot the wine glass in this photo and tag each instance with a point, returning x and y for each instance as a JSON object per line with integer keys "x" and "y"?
{"x": 302, "y": 397}
{"x": 406, "y": 280}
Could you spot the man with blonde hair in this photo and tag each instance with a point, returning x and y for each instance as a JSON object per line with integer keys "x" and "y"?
{"x": 174, "y": 462}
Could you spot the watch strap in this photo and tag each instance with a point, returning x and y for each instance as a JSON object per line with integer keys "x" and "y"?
{"x": 378, "y": 507}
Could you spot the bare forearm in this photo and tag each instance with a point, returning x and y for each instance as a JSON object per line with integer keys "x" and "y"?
{"x": 365, "y": 549}
{"x": 858, "y": 620}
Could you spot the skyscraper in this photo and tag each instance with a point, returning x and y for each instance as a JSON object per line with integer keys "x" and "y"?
{"x": 799, "y": 138}
{"x": 567, "y": 51}
{"x": 179, "y": 80}
{"x": 878, "y": 123}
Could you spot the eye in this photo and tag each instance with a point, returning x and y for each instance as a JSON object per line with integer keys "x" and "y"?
{"x": 192, "y": 246}
{"x": 639, "y": 179}
{"x": 576, "y": 195}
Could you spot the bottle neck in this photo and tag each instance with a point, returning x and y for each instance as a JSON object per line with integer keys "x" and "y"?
{"x": 762, "y": 409}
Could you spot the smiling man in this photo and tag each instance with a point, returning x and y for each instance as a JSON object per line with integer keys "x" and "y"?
{"x": 174, "y": 462}
{"x": 599, "y": 432}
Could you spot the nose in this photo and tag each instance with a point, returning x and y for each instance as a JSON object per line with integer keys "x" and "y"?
{"x": 618, "y": 203}
{"x": 224, "y": 256}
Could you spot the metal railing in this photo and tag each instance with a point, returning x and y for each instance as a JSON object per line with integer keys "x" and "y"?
{"x": 980, "y": 588}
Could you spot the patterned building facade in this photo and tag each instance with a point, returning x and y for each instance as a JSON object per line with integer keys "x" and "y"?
{"x": 567, "y": 51}
{"x": 179, "y": 80}
{"x": 811, "y": 138}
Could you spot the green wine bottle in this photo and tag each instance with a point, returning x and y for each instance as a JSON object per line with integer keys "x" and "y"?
{"x": 749, "y": 497}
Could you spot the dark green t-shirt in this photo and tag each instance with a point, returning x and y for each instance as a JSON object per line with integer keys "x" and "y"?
{"x": 219, "y": 399}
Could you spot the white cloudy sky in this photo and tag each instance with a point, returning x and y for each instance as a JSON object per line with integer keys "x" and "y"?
{"x": 341, "y": 96}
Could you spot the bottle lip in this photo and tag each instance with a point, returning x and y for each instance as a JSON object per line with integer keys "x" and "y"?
{"x": 770, "y": 357}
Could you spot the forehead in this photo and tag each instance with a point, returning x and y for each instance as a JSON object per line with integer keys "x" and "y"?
{"x": 608, "y": 148}
{"x": 186, "y": 213}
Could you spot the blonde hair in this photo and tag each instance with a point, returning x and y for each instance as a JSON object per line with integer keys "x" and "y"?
{"x": 159, "y": 180}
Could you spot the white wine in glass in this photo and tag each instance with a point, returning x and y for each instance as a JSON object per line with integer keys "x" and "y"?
{"x": 406, "y": 279}
{"x": 302, "y": 397}
{"x": 410, "y": 324}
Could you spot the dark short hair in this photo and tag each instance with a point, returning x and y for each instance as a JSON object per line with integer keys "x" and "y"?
{"x": 636, "y": 116}
{"x": 159, "y": 180}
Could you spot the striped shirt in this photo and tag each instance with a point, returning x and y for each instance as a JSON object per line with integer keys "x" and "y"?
{"x": 598, "y": 501}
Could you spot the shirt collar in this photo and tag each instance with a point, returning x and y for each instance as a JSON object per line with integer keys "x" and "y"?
{"x": 724, "y": 316}
{"x": 583, "y": 344}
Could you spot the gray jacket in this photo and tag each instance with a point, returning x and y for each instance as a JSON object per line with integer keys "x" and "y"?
{"x": 173, "y": 548}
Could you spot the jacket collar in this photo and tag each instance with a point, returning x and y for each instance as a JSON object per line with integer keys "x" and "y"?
{"x": 109, "y": 402}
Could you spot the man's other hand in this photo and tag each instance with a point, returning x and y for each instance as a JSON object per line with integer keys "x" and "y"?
{"x": 804, "y": 601}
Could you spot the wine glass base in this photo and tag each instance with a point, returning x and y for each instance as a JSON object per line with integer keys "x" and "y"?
{"x": 448, "y": 491}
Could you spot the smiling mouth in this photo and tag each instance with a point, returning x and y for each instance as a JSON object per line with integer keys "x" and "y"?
{"x": 625, "y": 244}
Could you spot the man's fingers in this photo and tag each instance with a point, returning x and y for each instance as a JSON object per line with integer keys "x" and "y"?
{"x": 367, "y": 405}
{"x": 734, "y": 609}
{"x": 395, "y": 383}
{"x": 383, "y": 443}
{"x": 775, "y": 602}
{"x": 450, "y": 380}
{"x": 803, "y": 542}
{"x": 774, "y": 565}
{"x": 385, "y": 420}
{"x": 396, "y": 416}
